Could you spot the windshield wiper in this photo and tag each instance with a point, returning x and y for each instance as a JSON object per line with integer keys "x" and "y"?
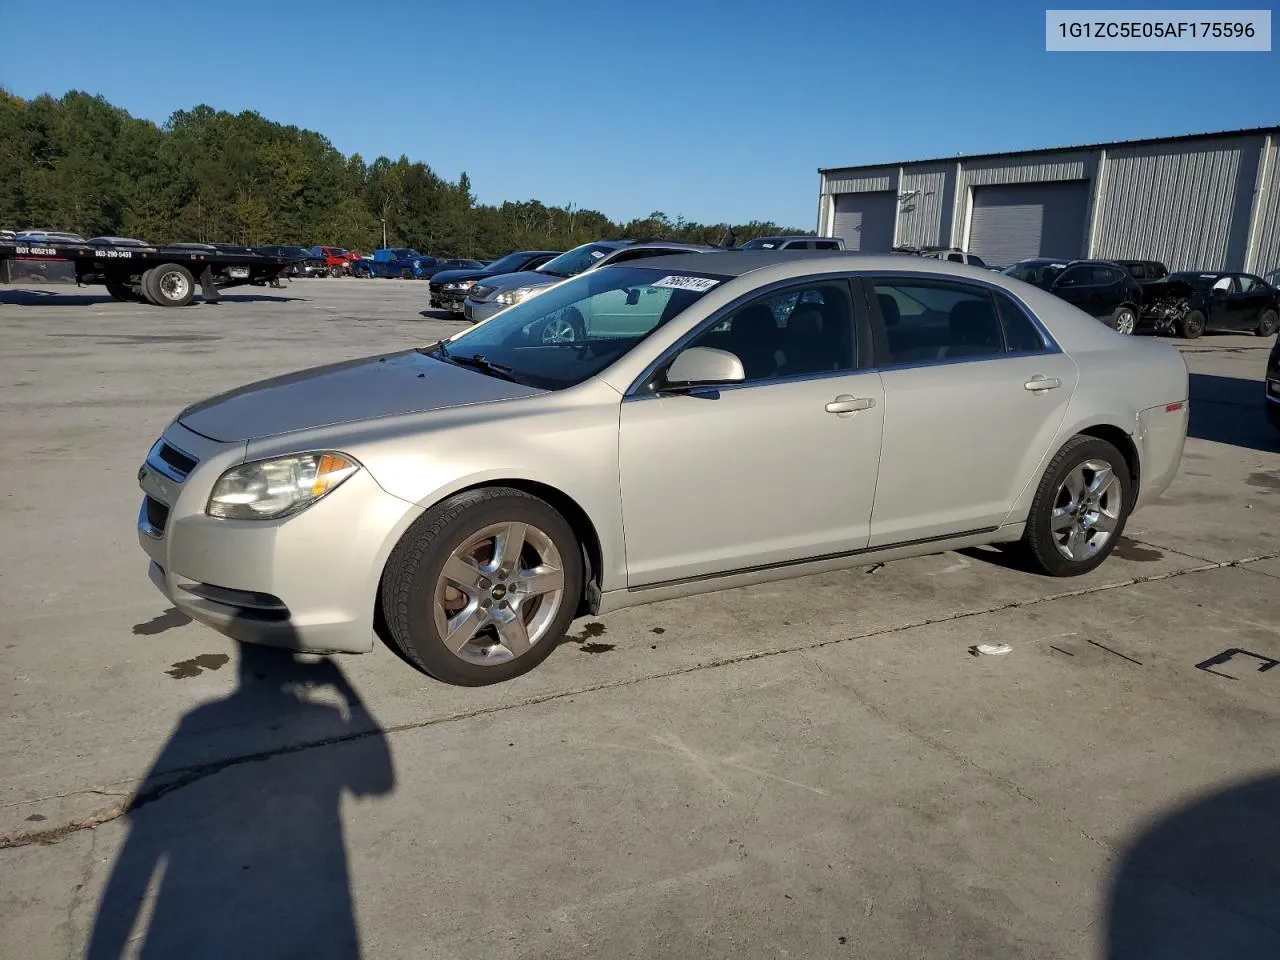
{"x": 478, "y": 362}
{"x": 554, "y": 273}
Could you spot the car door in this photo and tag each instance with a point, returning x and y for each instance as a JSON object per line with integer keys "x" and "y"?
{"x": 975, "y": 391}
{"x": 1078, "y": 286}
{"x": 1246, "y": 301}
{"x": 777, "y": 469}
{"x": 1220, "y": 313}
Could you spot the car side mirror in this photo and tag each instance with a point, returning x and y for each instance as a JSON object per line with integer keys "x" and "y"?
{"x": 704, "y": 367}
{"x": 633, "y": 297}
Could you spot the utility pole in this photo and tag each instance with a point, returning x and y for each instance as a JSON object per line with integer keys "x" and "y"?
{"x": 384, "y": 231}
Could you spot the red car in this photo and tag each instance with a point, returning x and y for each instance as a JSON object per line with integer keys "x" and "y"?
{"x": 336, "y": 259}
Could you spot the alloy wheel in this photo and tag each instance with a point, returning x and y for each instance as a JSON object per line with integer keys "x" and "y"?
{"x": 1086, "y": 510}
{"x": 499, "y": 593}
{"x": 559, "y": 330}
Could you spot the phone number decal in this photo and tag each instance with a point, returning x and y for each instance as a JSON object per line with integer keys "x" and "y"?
{"x": 1161, "y": 30}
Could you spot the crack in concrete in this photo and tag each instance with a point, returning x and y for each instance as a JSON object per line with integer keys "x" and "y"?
{"x": 188, "y": 776}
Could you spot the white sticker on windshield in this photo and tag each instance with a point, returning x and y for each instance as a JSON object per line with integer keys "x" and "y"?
{"x": 597, "y": 254}
{"x": 696, "y": 284}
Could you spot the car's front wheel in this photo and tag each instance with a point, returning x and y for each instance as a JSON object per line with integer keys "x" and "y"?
{"x": 1192, "y": 325}
{"x": 1080, "y": 508}
{"x": 483, "y": 586}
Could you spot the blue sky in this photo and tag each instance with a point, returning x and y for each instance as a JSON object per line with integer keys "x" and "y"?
{"x": 714, "y": 111}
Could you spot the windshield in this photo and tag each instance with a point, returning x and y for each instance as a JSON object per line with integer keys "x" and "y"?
{"x": 573, "y": 331}
{"x": 762, "y": 243}
{"x": 510, "y": 263}
{"x": 576, "y": 260}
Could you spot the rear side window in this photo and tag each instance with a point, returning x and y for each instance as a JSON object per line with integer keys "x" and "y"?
{"x": 825, "y": 245}
{"x": 976, "y": 261}
{"x": 930, "y": 321}
{"x": 1020, "y": 334}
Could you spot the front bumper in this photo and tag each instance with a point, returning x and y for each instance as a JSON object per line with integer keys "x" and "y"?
{"x": 308, "y": 582}
{"x": 448, "y": 299}
{"x": 476, "y": 310}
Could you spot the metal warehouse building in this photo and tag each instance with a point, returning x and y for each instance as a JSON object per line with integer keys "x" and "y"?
{"x": 1205, "y": 201}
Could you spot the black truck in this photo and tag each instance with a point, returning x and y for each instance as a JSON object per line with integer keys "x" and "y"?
{"x": 166, "y": 276}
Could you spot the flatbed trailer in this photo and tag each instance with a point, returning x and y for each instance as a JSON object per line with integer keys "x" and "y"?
{"x": 166, "y": 276}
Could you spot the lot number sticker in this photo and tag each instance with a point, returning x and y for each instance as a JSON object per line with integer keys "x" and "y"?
{"x": 696, "y": 284}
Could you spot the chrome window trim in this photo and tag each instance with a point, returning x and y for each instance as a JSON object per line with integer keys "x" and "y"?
{"x": 636, "y": 392}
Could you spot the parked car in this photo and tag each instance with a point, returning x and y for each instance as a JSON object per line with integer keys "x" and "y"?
{"x": 449, "y": 287}
{"x": 950, "y": 254}
{"x": 479, "y": 487}
{"x": 1271, "y": 389}
{"x": 336, "y": 259}
{"x": 793, "y": 243}
{"x": 6, "y": 235}
{"x": 1228, "y": 301}
{"x": 47, "y": 236}
{"x": 404, "y": 263}
{"x": 304, "y": 262}
{"x": 1101, "y": 288}
{"x": 502, "y": 290}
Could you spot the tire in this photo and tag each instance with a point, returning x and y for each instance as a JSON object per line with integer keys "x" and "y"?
{"x": 169, "y": 285}
{"x": 1048, "y": 548}
{"x": 406, "y": 274}
{"x": 122, "y": 292}
{"x": 463, "y": 533}
{"x": 1124, "y": 319}
{"x": 1192, "y": 325}
{"x": 1267, "y": 324}
{"x": 335, "y": 272}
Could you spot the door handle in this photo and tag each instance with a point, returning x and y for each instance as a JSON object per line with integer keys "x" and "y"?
{"x": 844, "y": 405}
{"x": 1039, "y": 384}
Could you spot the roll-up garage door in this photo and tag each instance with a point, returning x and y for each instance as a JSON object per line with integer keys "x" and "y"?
{"x": 1015, "y": 221}
{"x": 865, "y": 220}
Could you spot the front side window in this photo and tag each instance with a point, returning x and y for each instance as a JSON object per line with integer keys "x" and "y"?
{"x": 762, "y": 243}
{"x": 804, "y": 330}
{"x": 1078, "y": 276}
{"x": 575, "y": 329}
{"x": 927, "y": 321}
{"x": 1246, "y": 282}
{"x": 825, "y": 245}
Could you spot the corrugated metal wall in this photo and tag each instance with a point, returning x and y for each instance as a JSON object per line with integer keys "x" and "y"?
{"x": 1211, "y": 203}
{"x": 1266, "y": 241}
{"x": 862, "y": 181}
{"x": 925, "y": 204}
{"x": 1186, "y": 204}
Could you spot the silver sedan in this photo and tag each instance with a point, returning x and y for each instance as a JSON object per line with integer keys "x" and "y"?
{"x": 715, "y": 420}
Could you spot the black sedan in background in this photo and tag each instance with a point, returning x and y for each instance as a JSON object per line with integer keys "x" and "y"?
{"x": 449, "y": 287}
{"x": 305, "y": 263}
{"x": 1228, "y": 301}
{"x": 1100, "y": 288}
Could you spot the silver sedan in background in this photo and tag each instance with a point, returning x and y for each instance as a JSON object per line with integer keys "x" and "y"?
{"x": 720, "y": 419}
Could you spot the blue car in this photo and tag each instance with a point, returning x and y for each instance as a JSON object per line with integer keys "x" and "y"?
{"x": 403, "y": 262}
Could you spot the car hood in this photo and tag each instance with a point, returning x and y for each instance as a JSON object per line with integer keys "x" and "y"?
{"x": 525, "y": 278}
{"x": 453, "y": 276}
{"x": 384, "y": 386}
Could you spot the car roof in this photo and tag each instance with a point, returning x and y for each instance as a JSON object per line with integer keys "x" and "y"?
{"x": 737, "y": 263}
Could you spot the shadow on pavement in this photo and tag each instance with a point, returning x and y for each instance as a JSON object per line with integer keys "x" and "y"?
{"x": 1202, "y": 882}
{"x": 1230, "y": 410}
{"x": 246, "y": 857}
{"x": 58, "y": 298}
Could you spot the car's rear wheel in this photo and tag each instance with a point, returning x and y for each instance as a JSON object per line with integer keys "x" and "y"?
{"x": 335, "y": 272}
{"x": 1124, "y": 319}
{"x": 566, "y": 326}
{"x": 169, "y": 285}
{"x": 406, "y": 274}
{"x": 1267, "y": 323}
{"x": 483, "y": 586}
{"x": 1080, "y": 508}
{"x": 1191, "y": 325}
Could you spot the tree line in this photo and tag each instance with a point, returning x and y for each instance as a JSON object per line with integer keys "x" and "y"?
{"x": 78, "y": 163}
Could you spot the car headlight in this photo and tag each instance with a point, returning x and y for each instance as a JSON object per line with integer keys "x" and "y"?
{"x": 460, "y": 285}
{"x": 269, "y": 489}
{"x": 508, "y": 297}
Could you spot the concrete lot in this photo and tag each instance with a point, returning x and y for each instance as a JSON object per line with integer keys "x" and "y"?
{"x": 810, "y": 769}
